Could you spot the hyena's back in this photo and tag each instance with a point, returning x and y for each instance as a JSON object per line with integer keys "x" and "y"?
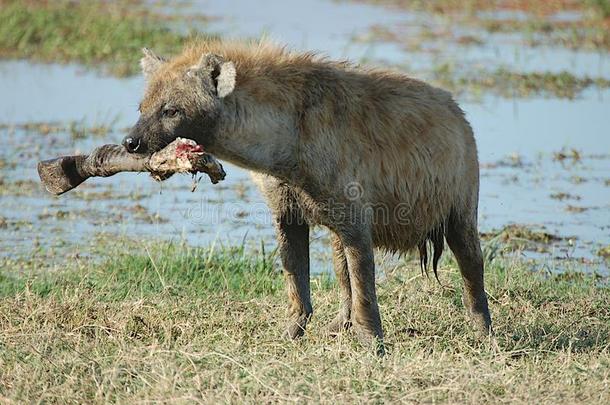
{"x": 405, "y": 146}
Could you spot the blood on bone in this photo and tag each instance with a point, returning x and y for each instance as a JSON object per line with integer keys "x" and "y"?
{"x": 185, "y": 149}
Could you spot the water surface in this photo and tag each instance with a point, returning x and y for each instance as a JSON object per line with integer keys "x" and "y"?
{"x": 517, "y": 141}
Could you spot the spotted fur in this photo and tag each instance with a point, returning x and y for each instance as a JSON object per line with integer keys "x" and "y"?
{"x": 381, "y": 159}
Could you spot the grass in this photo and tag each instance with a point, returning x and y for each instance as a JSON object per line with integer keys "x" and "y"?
{"x": 592, "y": 8}
{"x": 600, "y": 7}
{"x": 597, "y": 8}
{"x": 165, "y": 322}
{"x": 589, "y": 30}
{"x": 93, "y": 33}
{"x": 515, "y": 237}
{"x": 76, "y": 129}
{"x": 507, "y": 83}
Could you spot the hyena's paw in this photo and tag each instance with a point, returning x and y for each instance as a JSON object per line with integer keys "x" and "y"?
{"x": 479, "y": 315}
{"x": 296, "y": 326}
{"x": 482, "y": 324}
{"x": 370, "y": 339}
{"x": 340, "y": 324}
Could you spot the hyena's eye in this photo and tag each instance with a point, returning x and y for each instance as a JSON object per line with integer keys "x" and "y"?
{"x": 170, "y": 112}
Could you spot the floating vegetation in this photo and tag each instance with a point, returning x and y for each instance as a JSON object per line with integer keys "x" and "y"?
{"x": 537, "y": 20}
{"x": 567, "y": 154}
{"x": 513, "y": 160}
{"x": 59, "y": 214}
{"x": 141, "y": 213}
{"x": 13, "y": 224}
{"x": 514, "y": 84}
{"x": 472, "y": 7}
{"x": 520, "y": 237}
{"x": 107, "y": 194}
{"x": 76, "y": 129}
{"x": 576, "y": 209}
{"x": 19, "y": 187}
{"x": 564, "y": 196}
{"x": 576, "y": 179}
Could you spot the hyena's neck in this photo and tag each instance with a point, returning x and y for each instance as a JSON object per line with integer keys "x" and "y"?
{"x": 257, "y": 136}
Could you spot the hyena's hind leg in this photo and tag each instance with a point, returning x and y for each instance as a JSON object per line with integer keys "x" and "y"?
{"x": 342, "y": 321}
{"x": 463, "y": 240}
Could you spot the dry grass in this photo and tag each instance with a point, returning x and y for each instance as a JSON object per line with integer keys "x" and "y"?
{"x": 174, "y": 324}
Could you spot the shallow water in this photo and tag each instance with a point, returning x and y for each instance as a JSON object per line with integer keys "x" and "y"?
{"x": 516, "y": 139}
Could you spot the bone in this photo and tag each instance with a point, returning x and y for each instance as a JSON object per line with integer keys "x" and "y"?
{"x": 181, "y": 156}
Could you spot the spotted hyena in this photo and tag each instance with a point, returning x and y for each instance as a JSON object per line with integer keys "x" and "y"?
{"x": 380, "y": 159}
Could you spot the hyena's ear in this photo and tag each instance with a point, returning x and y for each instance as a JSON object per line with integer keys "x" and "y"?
{"x": 221, "y": 72}
{"x": 150, "y": 62}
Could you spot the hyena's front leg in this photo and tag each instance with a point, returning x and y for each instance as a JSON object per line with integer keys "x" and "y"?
{"x": 293, "y": 243}
{"x": 343, "y": 320}
{"x": 358, "y": 247}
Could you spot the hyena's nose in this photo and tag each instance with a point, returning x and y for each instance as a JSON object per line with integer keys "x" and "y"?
{"x": 132, "y": 144}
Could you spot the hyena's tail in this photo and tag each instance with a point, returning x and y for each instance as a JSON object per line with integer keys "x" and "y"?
{"x": 435, "y": 242}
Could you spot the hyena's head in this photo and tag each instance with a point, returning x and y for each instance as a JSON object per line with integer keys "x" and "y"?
{"x": 180, "y": 101}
